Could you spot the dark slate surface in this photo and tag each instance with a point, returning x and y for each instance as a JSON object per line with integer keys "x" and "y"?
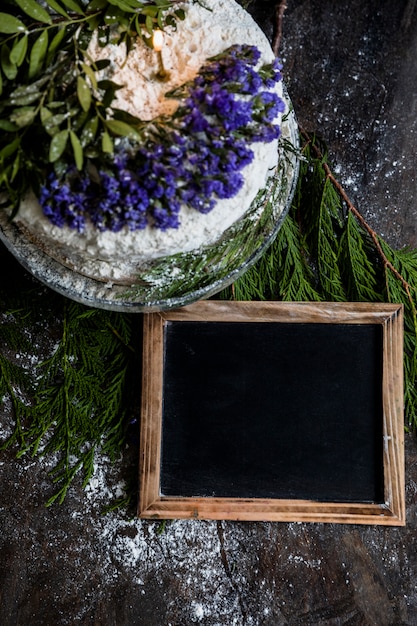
{"x": 351, "y": 71}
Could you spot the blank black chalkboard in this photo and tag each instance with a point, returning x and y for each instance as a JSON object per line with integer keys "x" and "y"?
{"x": 273, "y": 411}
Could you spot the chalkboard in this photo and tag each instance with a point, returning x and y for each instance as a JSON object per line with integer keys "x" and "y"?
{"x": 276, "y": 411}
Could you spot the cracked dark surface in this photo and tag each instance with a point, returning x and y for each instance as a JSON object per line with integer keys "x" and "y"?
{"x": 350, "y": 68}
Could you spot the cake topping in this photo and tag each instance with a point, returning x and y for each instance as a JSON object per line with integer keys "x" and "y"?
{"x": 194, "y": 157}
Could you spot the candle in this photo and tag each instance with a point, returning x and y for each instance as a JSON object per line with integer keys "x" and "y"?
{"x": 158, "y": 44}
{"x": 158, "y": 40}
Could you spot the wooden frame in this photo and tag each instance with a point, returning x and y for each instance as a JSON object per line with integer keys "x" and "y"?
{"x": 154, "y": 505}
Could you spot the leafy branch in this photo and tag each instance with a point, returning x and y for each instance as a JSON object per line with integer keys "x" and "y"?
{"x": 52, "y": 105}
{"x": 76, "y": 407}
{"x": 326, "y": 250}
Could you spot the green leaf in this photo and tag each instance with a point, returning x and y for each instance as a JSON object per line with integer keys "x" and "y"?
{"x": 23, "y": 116}
{"x": 45, "y": 114}
{"x": 10, "y": 149}
{"x": 10, "y": 24}
{"x": 34, "y": 87}
{"x": 9, "y": 68}
{"x": 77, "y": 150}
{"x": 7, "y": 126}
{"x": 54, "y": 45}
{"x": 88, "y": 70}
{"x": 101, "y": 64}
{"x": 124, "y": 6}
{"x": 106, "y": 143}
{"x": 122, "y": 129}
{"x": 57, "y": 8}
{"x": 89, "y": 131}
{"x": 38, "y": 53}
{"x": 83, "y": 93}
{"x": 51, "y": 123}
{"x": 73, "y": 6}
{"x": 96, "y": 4}
{"x": 58, "y": 145}
{"x": 15, "y": 168}
{"x": 24, "y": 100}
{"x": 149, "y": 24}
{"x": 34, "y": 10}
{"x": 19, "y": 49}
{"x": 180, "y": 13}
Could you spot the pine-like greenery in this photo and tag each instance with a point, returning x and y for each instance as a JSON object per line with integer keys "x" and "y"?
{"x": 78, "y": 404}
{"x": 325, "y": 251}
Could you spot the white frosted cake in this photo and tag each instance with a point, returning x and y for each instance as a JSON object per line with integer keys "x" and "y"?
{"x": 172, "y": 218}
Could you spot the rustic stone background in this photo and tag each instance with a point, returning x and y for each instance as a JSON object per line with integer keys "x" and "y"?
{"x": 350, "y": 68}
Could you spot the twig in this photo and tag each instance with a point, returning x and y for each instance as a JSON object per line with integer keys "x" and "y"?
{"x": 279, "y": 15}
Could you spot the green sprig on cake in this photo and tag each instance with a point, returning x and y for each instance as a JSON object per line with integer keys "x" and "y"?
{"x": 43, "y": 46}
{"x": 62, "y": 126}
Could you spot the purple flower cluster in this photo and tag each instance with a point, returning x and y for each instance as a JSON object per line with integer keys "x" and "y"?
{"x": 196, "y": 160}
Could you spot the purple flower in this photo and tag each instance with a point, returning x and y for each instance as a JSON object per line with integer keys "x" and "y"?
{"x": 195, "y": 160}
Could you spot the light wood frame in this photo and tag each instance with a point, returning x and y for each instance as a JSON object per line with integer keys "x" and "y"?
{"x": 153, "y": 505}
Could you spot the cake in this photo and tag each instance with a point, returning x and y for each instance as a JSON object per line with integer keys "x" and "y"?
{"x": 209, "y": 102}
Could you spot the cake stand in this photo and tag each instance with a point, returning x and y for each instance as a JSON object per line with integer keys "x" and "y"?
{"x": 180, "y": 279}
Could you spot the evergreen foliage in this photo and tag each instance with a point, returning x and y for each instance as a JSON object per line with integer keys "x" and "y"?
{"x": 325, "y": 251}
{"x": 79, "y": 403}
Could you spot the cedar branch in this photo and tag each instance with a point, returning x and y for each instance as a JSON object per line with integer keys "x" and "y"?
{"x": 351, "y": 207}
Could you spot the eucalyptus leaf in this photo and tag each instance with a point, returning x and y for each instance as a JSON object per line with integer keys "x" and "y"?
{"x": 34, "y": 10}
{"x": 88, "y": 70}
{"x": 55, "y": 43}
{"x": 8, "y": 126}
{"x": 77, "y": 150}
{"x": 113, "y": 16}
{"x": 52, "y": 123}
{"x": 34, "y": 87}
{"x": 109, "y": 84}
{"x": 55, "y": 6}
{"x": 124, "y": 6}
{"x": 58, "y": 145}
{"x": 83, "y": 93}
{"x": 10, "y": 148}
{"x": 15, "y": 168}
{"x": 97, "y": 4}
{"x": 25, "y": 99}
{"x": 106, "y": 143}
{"x": 10, "y": 24}
{"x": 56, "y": 104}
{"x": 38, "y": 53}
{"x": 89, "y": 131}
{"x": 45, "y": 114}
{"x": 180, "y": 13}
{"x": 150, "y": 11}
{"x": 9, "y": 69}
{"x": 73, "y": 6}
{"x": 120, "y": 128}
{"x": 149, "y": 24}
{"x": 101, "y": 64}
{"x": 23, "y": 116}
{"x": 18, "y": 51}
